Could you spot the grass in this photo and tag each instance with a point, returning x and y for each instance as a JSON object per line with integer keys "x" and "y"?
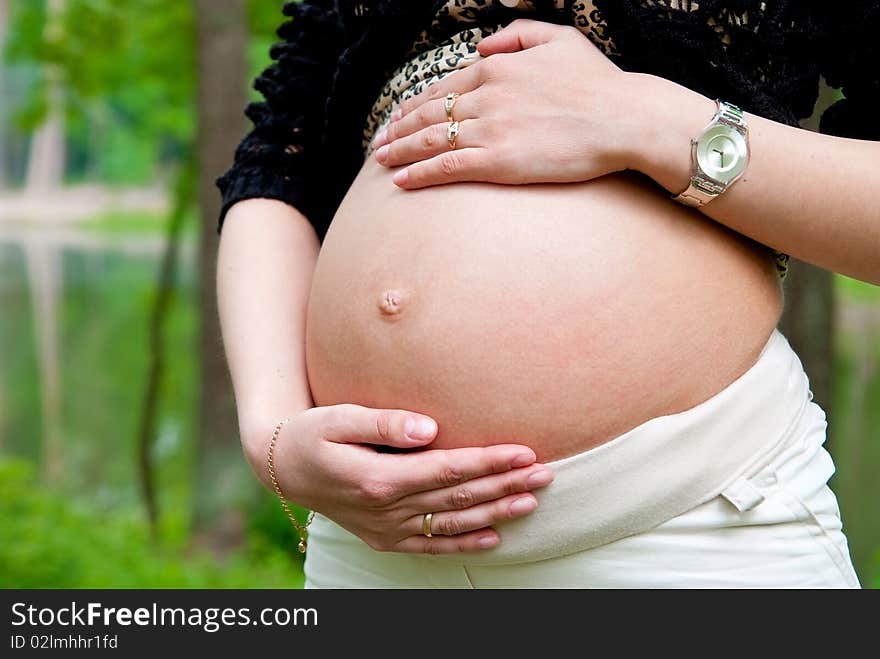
{"x": 48, "y": 540}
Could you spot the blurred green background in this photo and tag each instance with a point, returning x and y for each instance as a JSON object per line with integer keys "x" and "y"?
{"x": 119, "y": 457}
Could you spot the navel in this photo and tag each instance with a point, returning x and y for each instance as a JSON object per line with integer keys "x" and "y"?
{"x": 391, "y": 302}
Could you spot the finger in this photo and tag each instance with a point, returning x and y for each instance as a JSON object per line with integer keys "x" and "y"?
{"x": 471, "y": 164}
{"x": 456, "y": 522}
{"x": 431, "y": 141}
{"x": 479, "y": 490}
{"x": 350, "y": 423}
{"x": 459, "y": 80}
{"x": 520, "y": 34}
{"x": 440, "y": 468}
{"x": 428, "y": 114}
{"x": 476, "y": 541}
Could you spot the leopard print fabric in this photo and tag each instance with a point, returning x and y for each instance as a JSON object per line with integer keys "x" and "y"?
{"x": 430, "y": 59}
{"x": 426, "y": 67}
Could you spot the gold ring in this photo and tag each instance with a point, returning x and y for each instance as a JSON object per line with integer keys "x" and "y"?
{"x": 452, "y": 131}
{"x": 426, "y": 525}
{"x": 449, "y": 104}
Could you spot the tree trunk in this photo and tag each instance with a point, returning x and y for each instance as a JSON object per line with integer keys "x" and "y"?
{"x": 45, "y": 171}
{"x": 167, "y": 280}
{"x": 222, "y": 94}
{"x": 808, "y": 322}
{"x": 46, "y": 156}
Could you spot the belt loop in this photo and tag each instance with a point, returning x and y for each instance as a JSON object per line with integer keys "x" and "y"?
{"x": 743, "y": 494}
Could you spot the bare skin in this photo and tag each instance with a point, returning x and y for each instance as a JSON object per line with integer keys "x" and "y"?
{"x": 329, "y": 458}
{"x": 512, "y": 350}
{"x": 392, "y": 302}
{"x": 553, "y": 315}
{"x": 807, "y": 194}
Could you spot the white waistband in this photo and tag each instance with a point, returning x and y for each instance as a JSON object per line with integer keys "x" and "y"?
{"x": 661, "y": 468}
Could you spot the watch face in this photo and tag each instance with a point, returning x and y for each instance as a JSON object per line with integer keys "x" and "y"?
{"x": 722, "y": 153}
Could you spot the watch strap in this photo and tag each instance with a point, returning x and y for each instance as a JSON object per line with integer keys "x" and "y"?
{"x": 703, "y": 189}
{"x": 730, "y": 114}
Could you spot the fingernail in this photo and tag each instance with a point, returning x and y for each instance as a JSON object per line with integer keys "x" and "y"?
{"x": 396, "y": 114}
{"x": 379, "y": 140}
{"x": 523, "y": 505}
{"x": 382, "y": 153}
{"x": 488, "y": 541}
{"x": 522, "y": 460}
{"x": 420, "y": 428}
{"x": 400, "y": 177}
{"x": 540, "y": 479}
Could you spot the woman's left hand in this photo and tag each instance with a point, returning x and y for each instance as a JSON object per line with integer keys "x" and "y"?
{"x": 543, "y": 105}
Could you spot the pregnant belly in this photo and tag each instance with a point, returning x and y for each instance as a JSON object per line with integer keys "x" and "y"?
{"x": 553, "y": 315}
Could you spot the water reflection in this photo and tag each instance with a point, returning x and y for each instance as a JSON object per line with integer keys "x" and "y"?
{"x": 73, "y": 354}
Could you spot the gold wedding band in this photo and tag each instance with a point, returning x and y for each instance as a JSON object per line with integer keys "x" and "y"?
{"x": 452, "y": 131}
{"x": 449, "y": 104}
{"x": 426, "y": 525}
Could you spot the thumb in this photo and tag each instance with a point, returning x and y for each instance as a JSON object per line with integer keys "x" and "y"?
{"x": 520, "y": 34}
{"x": 356, "y": 424}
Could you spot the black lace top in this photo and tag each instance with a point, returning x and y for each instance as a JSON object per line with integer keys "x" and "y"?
{"x": 764, "y": 55}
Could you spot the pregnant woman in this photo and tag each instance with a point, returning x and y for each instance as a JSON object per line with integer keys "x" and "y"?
{"x": 499, "y": 285}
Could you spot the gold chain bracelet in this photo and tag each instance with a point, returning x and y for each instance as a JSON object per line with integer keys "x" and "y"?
{"x": 300, "y": 528}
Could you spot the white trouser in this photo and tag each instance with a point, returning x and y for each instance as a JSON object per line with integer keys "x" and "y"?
{"x": 730, "y": 493}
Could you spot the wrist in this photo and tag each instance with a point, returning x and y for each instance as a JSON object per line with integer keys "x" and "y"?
{"x": 255, "y": 430}
{"x": 673, "y": 116}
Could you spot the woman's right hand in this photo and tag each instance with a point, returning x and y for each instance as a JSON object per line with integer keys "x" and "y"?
{"x": 326, "y": 460}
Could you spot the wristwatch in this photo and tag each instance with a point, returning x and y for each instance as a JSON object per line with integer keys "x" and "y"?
{"x": 719, "y": 156}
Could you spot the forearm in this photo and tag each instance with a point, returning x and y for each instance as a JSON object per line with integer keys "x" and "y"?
{"x": 265, "y": 263}
{"x": 803, "y": 193}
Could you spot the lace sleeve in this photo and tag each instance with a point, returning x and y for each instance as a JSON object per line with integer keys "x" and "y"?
{"x": 278, "y": 158}
{"x": 851, "y": 63}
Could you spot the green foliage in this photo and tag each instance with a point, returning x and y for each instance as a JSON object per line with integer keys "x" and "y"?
{"x": 856, "y": 290}
{"x": 137, "y": 58}
{"x": 264, "y": 17}
{"x": 854, "y": 416}
{"x": 267, "y": 521}
{"x": 27, "y": 19}
{"x": 126, "y": 75}
{"x": 22, "y": 47}
{"x": 50, "y": 541}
